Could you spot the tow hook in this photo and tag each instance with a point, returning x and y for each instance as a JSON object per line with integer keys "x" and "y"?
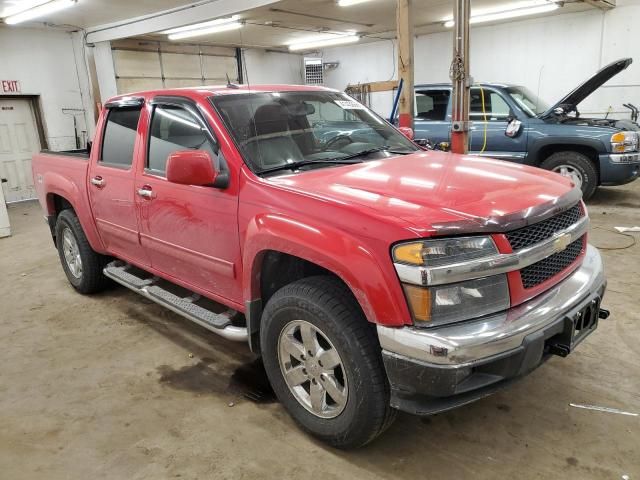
{"x": 603, "y": 314}
{"x": 558, "y": 349}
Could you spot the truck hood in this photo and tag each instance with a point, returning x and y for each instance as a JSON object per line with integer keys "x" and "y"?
{"x": 440, "y": 193}
{"x": 601, "y": 77}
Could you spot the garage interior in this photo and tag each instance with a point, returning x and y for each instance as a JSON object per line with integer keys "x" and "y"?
{"x": 114, "y": 386}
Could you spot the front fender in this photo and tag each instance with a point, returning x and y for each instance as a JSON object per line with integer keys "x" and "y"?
{"x": 56, "y": 184}
{"x": 364, "y": 266}
{"x": 537, "y": 142}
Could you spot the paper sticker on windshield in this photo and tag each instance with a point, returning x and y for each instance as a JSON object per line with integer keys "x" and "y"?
{"x": 349, "y": 105}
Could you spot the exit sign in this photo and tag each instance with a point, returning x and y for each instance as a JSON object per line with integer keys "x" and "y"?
{"x": 10, "y": 86}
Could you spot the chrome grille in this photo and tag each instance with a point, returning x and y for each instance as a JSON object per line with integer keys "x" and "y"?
{"x": 532, "y": 234}
{"x": 545, "y": 269}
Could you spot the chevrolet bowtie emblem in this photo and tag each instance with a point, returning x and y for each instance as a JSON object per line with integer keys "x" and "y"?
{"x": 562, "y": 242}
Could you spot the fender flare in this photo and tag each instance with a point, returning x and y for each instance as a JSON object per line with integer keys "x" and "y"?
{"x": 533, "y": 157}
{"x": 342, "y": 254}
{"x": 56, "y": 184}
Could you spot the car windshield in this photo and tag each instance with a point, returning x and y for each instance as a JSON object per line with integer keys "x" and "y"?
{"x": 528, "y": 101}
{"x": 280, "y": 131}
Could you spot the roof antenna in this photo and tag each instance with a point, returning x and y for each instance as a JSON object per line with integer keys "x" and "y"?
{"x": 229, "y": 84}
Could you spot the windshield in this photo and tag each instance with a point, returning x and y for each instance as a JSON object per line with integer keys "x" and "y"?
{"x": 528, "y": 101}
{"x": 275, "y": 130}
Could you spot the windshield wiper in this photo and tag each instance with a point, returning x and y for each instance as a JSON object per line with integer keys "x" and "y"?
{"x": 303, "y": 163}
{"x": 384, "y": 148}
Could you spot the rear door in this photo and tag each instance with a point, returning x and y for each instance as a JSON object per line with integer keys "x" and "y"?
{"x": 489, "y": 122}
{"x": 190, "y": 232}
{"x": 111, "y": 183}
{"x": 433, "y": 115}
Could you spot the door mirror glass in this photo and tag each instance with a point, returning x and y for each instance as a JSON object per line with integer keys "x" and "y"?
{"x": 513, "y": 128}
{"x": 192, "y": 167}
{"x": 407, "y": 132}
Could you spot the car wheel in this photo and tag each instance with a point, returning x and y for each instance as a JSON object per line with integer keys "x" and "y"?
{"x": 576, "y": 166}
{"x": 82, "y": 265}
{"x": 323, "y": 360}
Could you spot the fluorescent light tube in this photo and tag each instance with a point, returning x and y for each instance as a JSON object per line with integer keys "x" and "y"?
{"x": 197, "y": 26}
{"x": 39, "y": 11}
{"x": 337, "y": 40}
{"x": 514, "y": 13}
{"x": 205, "y": 31}
{"x": 348, "y": 3}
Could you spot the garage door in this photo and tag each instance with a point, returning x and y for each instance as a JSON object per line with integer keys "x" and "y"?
{"x": 18, "y": 141}
{"x": 143, "y": 65}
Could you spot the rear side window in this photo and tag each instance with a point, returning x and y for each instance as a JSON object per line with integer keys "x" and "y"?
{"x": 432, "y": 104}
{"x": 120, "y": 136}
{"x": 173, "y": 129}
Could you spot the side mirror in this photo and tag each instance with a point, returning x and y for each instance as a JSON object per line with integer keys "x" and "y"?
{"x": 194, "y": 167}
{"x": 407, "y": 132}
{"x": 513, "y": 128}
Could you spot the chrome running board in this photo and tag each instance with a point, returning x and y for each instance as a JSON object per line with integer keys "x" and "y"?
{"x": 184, "y": 305}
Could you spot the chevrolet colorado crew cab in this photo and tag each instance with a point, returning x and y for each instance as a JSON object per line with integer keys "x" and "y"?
{"x": 371, "y": 276}
{"x": 510, "y": 122}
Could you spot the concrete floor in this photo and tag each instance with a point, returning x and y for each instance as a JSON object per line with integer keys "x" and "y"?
{"x": 112, "y": 386}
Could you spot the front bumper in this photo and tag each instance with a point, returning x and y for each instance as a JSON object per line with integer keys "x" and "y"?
{"x": 435, "y": 369}
{"x": 620, "y": 168}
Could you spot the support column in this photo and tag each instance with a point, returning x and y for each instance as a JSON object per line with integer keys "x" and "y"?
{"x": 405, "y": 62}
{"x": 460, "y": 78}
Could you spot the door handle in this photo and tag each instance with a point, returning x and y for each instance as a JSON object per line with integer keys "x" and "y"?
{"x": 97, "y": 181}
{"x": 146, "y": 192}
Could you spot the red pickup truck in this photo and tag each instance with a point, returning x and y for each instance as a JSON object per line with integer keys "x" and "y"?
{"x": 371, "y": 276}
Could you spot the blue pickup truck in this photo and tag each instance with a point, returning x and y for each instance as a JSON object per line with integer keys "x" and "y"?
{"x": 509, "y": 122}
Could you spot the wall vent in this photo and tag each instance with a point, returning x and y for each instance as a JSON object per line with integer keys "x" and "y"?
{"x": 313, "y": 72}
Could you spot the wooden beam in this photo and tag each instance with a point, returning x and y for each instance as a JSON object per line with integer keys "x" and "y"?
{"x": 404, "y": 25}
{"x": 384, "y": 86}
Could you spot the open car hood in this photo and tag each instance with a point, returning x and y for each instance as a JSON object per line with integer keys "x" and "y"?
{"x": 591, "y": 85}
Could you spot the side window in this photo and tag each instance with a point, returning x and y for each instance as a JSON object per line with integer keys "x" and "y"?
{"x": 173, "y": 129}
{"x": 495, "y": 107}
{"x": 120, "y": 136}
{"x": 329, "y": 112}
{"x": 432, "y": 104}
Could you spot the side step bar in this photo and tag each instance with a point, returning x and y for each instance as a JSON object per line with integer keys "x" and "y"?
{"x": 152, "y": 288}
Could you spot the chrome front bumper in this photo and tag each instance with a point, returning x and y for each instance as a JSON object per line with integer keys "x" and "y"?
{"x": 467, "y": 343}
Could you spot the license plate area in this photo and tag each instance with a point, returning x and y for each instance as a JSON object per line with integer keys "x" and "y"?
{"x": 577, "y": 325}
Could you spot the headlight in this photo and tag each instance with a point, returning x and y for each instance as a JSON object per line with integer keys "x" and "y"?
{"x": 440, "y": 304}
{"x": 623, "y": 142}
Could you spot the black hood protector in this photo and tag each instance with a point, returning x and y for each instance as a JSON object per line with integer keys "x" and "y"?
{"x": 601, "y": 77}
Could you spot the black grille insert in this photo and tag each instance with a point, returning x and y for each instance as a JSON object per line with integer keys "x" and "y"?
{"x": 545, "y": 269}
{"x": 532, "y": 234}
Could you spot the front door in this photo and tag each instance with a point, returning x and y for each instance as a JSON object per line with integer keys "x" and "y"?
{"x": 489, "y": 122}
{"x": 18, "y": 142}
{"x": 190, "y": 232}
{"x": 111, "y": 185}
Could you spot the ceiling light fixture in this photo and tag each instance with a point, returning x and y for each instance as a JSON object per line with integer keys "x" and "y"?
{"x": 39, "y": 11}
{"x": 518, "y": 10}
{"x": 348, "y": 3}
{"x": 197, "y": 26}
{"x": 330, "y": 42}
{"x": 205, "y": 31}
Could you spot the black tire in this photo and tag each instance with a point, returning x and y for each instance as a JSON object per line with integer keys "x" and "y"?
{"x": 583, "y": 164}
{"x": 329, "y": 306}
{"x": 91, "y": 279}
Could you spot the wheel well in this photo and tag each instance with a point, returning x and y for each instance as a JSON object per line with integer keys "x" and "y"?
{"x": 59, "y": 204}
{"x": 277, "y": 270}
{"x": 548, "y": 150}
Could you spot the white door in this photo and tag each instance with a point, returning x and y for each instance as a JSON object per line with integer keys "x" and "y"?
{"x": 18, "y": 141}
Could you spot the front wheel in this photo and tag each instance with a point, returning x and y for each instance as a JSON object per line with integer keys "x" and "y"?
{"x": 324, "y": 363}
{"x": 576, "y": 166}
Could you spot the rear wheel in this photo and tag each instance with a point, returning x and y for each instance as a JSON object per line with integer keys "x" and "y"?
{"x": 576, "y": 166}
{"x": 82, "y": 265}
{"x": 323, "y": 361}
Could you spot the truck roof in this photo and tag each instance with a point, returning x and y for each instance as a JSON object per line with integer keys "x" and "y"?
{"x": 215, "y": 90}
